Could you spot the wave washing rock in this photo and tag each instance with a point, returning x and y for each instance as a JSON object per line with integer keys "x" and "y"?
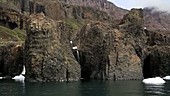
{"x": 48, "y": 54}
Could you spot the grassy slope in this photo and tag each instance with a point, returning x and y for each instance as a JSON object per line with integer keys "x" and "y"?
{"x": 75, "y": 24}
{"x": 7, "y": 34}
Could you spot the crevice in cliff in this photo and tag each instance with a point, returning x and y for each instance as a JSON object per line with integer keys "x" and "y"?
{"x": 1, "y": 64}
{"x": 11, "y": 25}
{"x": 146, "y": 68}
{"x": 150, "y": 68}
{"x": 80, "y": 57}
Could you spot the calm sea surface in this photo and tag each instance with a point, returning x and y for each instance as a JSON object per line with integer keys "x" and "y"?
{"x": 91, "y": 88}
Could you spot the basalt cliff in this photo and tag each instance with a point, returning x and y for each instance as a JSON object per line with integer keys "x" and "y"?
{"x": 69, "y": 40}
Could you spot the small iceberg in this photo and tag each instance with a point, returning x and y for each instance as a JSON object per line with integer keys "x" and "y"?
{"x": 166, "y": 77}
{"x": 1, "y": 78}
{"x": 154, "y": 81}
{"x": 21, "y": 77}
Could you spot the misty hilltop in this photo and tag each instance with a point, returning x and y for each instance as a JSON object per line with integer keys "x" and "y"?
{"x": 156, "y": 20}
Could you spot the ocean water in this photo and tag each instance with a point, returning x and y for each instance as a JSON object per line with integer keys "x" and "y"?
{"x": 88, "y": 88}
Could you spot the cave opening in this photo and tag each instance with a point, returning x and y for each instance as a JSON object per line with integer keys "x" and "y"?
{"x": 1, "y": 66}
{"x": 151, "y": 67}
{"x": 11, "y": 25}
{"x": 81, "y": 59}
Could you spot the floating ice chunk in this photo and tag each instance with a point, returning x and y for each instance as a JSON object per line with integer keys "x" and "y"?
{"x": 20, "y": 78}
{"x": 166, "y": 77}
{"x": 154, "y": 81}
{"x": 75, "y": 47}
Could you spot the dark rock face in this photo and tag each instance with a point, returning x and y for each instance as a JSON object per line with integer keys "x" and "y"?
{"x": 102, "y": 5}
{"x": 64, "y": 9}
{"x": 159, "y": 38}
{"x": 11, "y": 59}
{"x": 129, "y": 49}
{"x": 93, "y": 50}
{"x": 11, "y": 18}
{"x": 60, "y": 11}
{"x": 47, "y": 57}
{"x": 157, "y": 62}
{"x": 107, "y": 52}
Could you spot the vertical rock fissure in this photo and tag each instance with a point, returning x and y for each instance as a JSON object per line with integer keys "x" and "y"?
{"x": 42, "y": 65}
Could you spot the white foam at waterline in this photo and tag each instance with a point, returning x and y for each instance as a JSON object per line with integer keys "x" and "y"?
{"x": 20, "y": 77}
{"x": 166, "y": 77}
{"x": 154, "y": 81}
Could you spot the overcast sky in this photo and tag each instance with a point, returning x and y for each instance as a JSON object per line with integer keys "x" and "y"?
{"x": 128, "y": 4}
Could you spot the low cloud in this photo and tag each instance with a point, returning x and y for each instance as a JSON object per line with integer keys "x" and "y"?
{"x": 160, "y": 4}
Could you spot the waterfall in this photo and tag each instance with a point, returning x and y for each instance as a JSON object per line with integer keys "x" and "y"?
{"x": 78, "y": 56}
{"x": 23, "y": 71}
{"x": 77, "y": 53}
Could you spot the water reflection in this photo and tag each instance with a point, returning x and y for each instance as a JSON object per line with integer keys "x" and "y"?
{"x": 53, "y": 89}
{"x": 91, "y": 88}
{"x": 155, "y": 89}
{"x": 127, "y": 88}
{"x": 11, "y": 88}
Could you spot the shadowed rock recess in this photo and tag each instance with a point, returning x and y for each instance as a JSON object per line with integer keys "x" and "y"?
{"x": 69, "y": 40}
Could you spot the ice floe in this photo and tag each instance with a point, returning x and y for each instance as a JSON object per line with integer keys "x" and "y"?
{"x": 166, "y": 77}
{"x": 155, "y": 81}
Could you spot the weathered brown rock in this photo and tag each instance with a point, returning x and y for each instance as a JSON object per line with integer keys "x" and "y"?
{"x": 11, "y": 18}
{"x": 11, "y": 59}
{"x": 102, "y": 5}
{"x": 107, "y": 52}
{"x": 48, "y": 56}
{"x": 157, "y": 61}
{"x": 93, "y": 51}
